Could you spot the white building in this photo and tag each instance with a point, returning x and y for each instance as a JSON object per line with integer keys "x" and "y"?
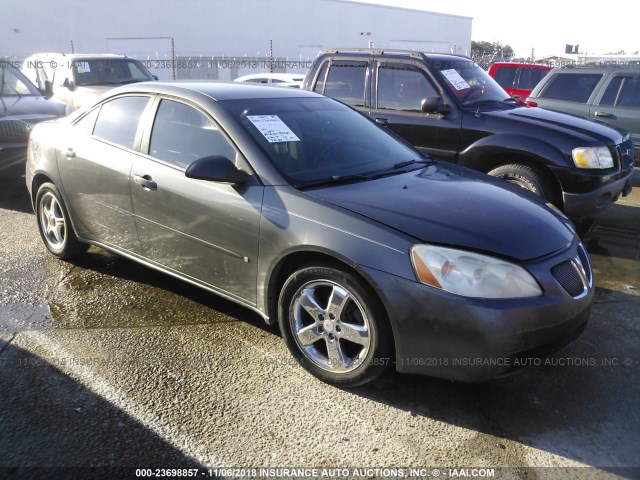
{"x": 221, "y": 39}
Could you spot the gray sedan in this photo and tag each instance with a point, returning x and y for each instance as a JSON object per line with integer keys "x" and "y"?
{"x": 368, "y": 254}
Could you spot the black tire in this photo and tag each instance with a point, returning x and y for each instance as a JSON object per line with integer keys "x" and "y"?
{"x": 339, "y": 309}
{"x": 526, "y": 177}
{"x": 54, "y": 224}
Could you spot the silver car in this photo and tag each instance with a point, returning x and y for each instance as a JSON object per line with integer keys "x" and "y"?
{"x": 367, "y": 253}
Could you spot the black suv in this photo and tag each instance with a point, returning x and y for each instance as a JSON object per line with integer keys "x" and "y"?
{"x": 450, "y": 108}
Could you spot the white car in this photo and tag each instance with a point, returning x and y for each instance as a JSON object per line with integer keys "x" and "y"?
{"x": 78, "y": 79}
{"x": 274, "y": 79}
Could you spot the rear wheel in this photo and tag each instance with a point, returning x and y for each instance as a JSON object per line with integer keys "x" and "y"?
{"x": 54, "y": 223}
{"x": 334, "y": 326}
{"x": 526, "y": 177}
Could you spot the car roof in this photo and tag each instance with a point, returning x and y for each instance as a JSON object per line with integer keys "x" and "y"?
{"x": 215, "y": 90}
{"x": 599, "y": 69}
{"x": 281, "y": 76}
{"x": 393, "y": 52}
{"x": 520, "y": 64}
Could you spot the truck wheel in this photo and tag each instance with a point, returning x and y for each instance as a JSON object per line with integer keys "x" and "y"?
{"x": 525, "y": 177}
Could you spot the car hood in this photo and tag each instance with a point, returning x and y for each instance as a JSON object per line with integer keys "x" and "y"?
{"x": 454, "y": 206}
{"x": 584, "y": 130}
{"x": 30, "y": 106}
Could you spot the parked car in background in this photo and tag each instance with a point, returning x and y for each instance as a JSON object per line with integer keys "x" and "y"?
{"x": 518, "y": 79}
{"x": 79, "y": 79}
{"x": 608, "y": 94}
{"x": 367, "y": 253}
{"x": 274, "y": 79}
{"x": 450, "y": 108}
{"x": 21, "y": 107}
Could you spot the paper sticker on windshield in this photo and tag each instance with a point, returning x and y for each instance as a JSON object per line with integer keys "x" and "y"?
{"x": 83, "y": 67}
{"x": 455, "y": 79}
{"x": 273, "y": 128}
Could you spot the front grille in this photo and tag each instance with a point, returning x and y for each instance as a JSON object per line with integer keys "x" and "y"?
{"x": 14, "y": 130}
{"x": 568, "y": 275}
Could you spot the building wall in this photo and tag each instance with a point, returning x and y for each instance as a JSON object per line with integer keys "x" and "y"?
{"x": 214, "y": 29}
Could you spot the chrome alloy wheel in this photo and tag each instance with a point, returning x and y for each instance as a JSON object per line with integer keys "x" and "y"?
{"x": 330, "y": 326}
{"x": 52, "y": 221}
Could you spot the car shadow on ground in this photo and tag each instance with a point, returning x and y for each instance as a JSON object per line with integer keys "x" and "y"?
{"x": 14, "y": 194}
{"x": 47, "y": 418}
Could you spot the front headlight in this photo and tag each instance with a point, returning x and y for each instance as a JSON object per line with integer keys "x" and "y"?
{"x": 471, "y": 274}
{"x": 592, "y": 157}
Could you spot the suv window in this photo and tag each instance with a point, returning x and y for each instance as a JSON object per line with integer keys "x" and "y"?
{"x": 622, "y": 92}
{"x": 118, "y": 120}
{"x": 530, "y": 77}
{"x": 181, "y": 134}
{"x": 506, "y": 76}
{"x": 345, "y": 81}
{"x": 572, "y": 87}
{"x": 402, "y": 87}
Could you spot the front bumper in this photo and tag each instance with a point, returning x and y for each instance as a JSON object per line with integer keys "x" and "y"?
{"x": 465, "y": 339}
{"x": 581, "y": 205}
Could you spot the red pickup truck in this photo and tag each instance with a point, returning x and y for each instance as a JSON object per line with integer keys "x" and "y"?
{"x": 518, "y": 79}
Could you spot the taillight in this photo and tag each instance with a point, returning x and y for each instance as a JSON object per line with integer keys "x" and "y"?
{"x": 531, "y": 103}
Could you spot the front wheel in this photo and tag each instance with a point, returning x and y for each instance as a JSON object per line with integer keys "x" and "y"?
{"x": 334, "y": 326}
{"x": 54, "y": 223}
{"x": 526, "y": 177}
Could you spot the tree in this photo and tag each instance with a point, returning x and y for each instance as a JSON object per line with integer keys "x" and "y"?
{"x": 493, "y": 49}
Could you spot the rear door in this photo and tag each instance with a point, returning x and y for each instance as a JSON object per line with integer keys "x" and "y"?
{"x": 619, "y": 104}
{"x": 205, "y": 231}
{"x": 95, "y": 164}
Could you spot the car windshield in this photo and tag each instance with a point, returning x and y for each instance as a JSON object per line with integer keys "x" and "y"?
{"x": 14, "y": 83}
{"x": 470, "y": 84}
{"x": 318, "y": 140}
{"x": 118, "y": 71}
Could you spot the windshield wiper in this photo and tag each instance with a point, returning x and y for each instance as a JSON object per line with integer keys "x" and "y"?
{"x": 335, "y": 179}
{"x": 426, "y": 161}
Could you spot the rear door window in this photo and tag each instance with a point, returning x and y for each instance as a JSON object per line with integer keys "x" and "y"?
{"x": 571, "y": 87}
{"x": 345, "y": 81}
{"x": 530, "y": 77}
{"x": 623, "y": 91}
{"x": 118, "y": 120}
{"x": 506, "y": 76}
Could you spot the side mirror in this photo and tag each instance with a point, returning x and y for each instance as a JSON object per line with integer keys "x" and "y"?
{"x": 47, "y": 89}
{"x": 434, "y": 105}
{"x": 69, "y": 84}
{"x": 216, "y": 168}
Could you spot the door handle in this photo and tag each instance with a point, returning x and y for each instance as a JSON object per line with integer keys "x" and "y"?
{"x": 382, "y": 121}
{"x": 145, "y": 182}
{"x": 70, "y": 153}
{"x": 605, "y": 114}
